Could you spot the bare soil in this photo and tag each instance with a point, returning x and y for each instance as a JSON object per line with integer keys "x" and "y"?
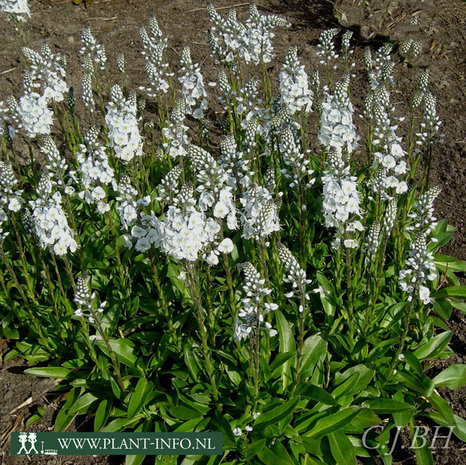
{"x": 441, "y": 34}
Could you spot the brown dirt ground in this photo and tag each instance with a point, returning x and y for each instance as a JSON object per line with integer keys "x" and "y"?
{"x": 116, "y": 22}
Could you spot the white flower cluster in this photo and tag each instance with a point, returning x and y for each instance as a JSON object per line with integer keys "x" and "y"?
{"x": 15, "y": 9}
{"x": 423, "y": 212}
{"x": 175, "y": 132}
{"x": 295, "y": 159}
{"x": 346, "y": 51}
{"x": 420, "y": 268}
{"x": 34, "y": 115}
{"x": 187, "y": 231}
{"x": 251, "y": 315}
{"x": 50, "y": 222}
{"x": 257, "y": 36}
{"x": 234, "y": 161}
{"x": 249, "y": 103}
{"x": 296, "y": 274}
{"x": 57, "y": 166}
{"x": 389, "y": 156}
{"x": 389, "y": 217}
{"x": 84, "y": 300}
{"x": 95, "y": 172}
{"x": 169, "y": 184}
{"x": 341, "y": 201}
{"x": 252, "y": 41}
{"x": 216, "y": 197}
{"x": 184, "y": 233}
{"x": 431, "y": 122}
{"x": 127, "y": 207}
{"x": 156, "y": 67}
{"x": 92, "y": 51}
{"x": 372, "y": 241}
{"x": 47, "y": 72}
{"x": 326, "y": 46}
{"x": 3, "y": 118}
{"x": 259, "y": 215}
{"x": 337, "y": 129}
{"x": 10, "y": 198}
{"x": 379, "y": 69}
{"x": 192, "y": 86}
{"x": 122, "y": 124}
{"x": 87, "y": 95}
{"x": 294, "y": 84}
{"x": 225, "y": 36}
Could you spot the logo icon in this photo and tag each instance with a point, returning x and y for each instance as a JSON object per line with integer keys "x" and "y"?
{"x": 25, "y": 438}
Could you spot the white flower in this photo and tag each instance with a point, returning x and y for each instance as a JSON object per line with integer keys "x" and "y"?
{"x": 212, "y": 259}
{"x": 220, "y": 210}
{"x": 424, "y": 295}
{"x": 14, "y": 205}
{"x": 142, "y": 244}
{"x": 350, "y": 243}
{"x": 226, "y": 246}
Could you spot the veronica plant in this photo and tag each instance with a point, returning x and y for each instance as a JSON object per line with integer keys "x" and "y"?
{"x": 268, "y": 282}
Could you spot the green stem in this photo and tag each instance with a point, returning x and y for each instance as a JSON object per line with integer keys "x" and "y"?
{"x": 13, "y": 275}
{"x": 23, "y": 261}
{"x": 209, "y": 307}
{"x": 402, "y": 339}
{"x": 163, "y": 300}
{"x": 109, "y": 348}
{"x": 200, "y": 318}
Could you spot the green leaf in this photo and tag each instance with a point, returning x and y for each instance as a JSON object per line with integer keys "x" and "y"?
{"x": 287, "y": 344}
{"x": 48, "y": 372}
{"x": 420, "y": 446}
{"x": 460, "y": 424}
{"x": 310, "y": 391}
{"x": 314, "y": 348}
{"x": 36, "y": 416}
{"x": 452, "y": 377}
{"x": 332, "y": 423}
{"x": 347, "y": 386}
{"x": 279, "y": 449}
{"x": 183, "y": 412}
{"x": 102, "y": 414}
{"x": 443, "y": 408}
{"x": 64, "y": 418}
{"x": 433, "y": 347}
{"x": 327, "y": 287}
{"x": 342, "y": 449}
{"x": 119, "y": 424}
{"x": 134, "y": 459}
{"x": 275, "y": 414}
{"x": 255, "y": 447}
{"x": 268, "y": 457}
{"x": 84, "y": 404}
{"x": 443, "y": 308}
{"x": 365, "y": 419}
{"x": 143, "y": 388}
{"x": 123, "y": 348}
{"x": 191, "y": 363}
{"x": 188, "y": 426}
{"x": 457, "y": 292}
{"x": 401, "y": 418}
{"x": 453, "y": 264}
{"x": 382, "y": 405}
{"x": 280, "y": 359}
